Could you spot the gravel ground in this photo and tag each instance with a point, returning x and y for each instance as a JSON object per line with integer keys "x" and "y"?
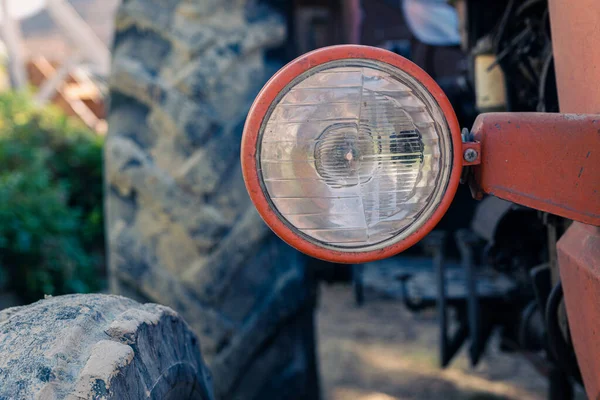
{"x": 383, "y": 352}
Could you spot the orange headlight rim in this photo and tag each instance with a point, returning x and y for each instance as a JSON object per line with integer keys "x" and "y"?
{"x": 260, "y": 109}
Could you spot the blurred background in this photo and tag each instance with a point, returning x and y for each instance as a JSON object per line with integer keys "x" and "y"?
{"x": 165, "y": 117}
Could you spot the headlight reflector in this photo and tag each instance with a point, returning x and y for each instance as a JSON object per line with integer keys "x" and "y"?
{"x": 353, "y": 155}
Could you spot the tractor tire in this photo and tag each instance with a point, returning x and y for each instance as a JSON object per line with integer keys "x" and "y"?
{"x": 181, "y": 228}
{"x": 99, "y": 347}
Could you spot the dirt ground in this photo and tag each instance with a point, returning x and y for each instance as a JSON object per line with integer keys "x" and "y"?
{"x": 383, "y": 352}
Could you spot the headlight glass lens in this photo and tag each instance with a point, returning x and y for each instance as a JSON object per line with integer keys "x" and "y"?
{"x": 354, "y": 155}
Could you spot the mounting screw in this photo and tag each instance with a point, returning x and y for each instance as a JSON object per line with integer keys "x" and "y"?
{"x": 470, "y": 155}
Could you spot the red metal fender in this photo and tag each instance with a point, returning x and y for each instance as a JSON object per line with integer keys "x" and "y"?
{"x": 575, "y": 32}
{"x": 579, "y": 256}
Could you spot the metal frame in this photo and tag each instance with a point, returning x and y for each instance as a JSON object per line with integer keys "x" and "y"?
{"x": 550, "y": 162}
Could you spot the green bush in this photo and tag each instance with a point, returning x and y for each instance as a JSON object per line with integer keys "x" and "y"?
{"x": 51, "y": 223}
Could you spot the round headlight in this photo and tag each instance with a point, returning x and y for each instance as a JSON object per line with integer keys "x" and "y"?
{"x": 351, "y": 153}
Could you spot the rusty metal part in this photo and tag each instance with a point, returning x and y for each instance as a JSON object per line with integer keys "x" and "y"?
{"x": 550, "y": 162}
{"x": 579, "y": 258}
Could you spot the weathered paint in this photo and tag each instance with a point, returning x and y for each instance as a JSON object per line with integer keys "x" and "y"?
{"x": 550, "y": 162}
{"x": 575, "y": 33}
{"x": 579, "y": 260}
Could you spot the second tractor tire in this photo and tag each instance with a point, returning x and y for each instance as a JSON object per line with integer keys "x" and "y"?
{"x": 182, "y": 230}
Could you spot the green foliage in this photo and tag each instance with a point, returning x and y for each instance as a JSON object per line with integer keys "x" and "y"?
{"x": 51, "y": 222}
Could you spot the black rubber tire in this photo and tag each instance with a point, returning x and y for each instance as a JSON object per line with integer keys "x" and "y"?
{"x": 99, "y": 347}
{"x": 181, "y": 228}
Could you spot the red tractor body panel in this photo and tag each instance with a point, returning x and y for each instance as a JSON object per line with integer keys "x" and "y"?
{"x": 575, "y": 35}
{"x": 579, "y": 260}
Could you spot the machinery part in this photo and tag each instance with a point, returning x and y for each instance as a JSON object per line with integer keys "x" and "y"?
{"x": 561, "y": 351}
{"x": 518, "y": 244}
{"x": 490, "y": 89}
{"x": 476, "y": 308}
{"x": 541, "y": 168}
{"x": 514, "y": 243}
{"x": 99, "y": 346}
{"x": 465, "y": 240}
{"x": 531, "y": 336}
{"x": 449, "y": 344}
{"x": 578, "y": 256}
{"x": 548, "y": 94}
{"x": 511, "y": 54}
{"x": 489, "y": 213}
{"x": 182, "y": 231}
{"x": 560, "y": 387}
{"x": 521, "y": 44}
{"x": 531, "y": 328}
{"x": 477, "y": 19}
{"x": 351, "y": 128}
{"x": 358, "y": 284}
{"x": 573, "y": 30}
{"x": 541, "y": 279}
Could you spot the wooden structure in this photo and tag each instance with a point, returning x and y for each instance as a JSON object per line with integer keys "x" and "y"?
{"x": 71, "y": 90}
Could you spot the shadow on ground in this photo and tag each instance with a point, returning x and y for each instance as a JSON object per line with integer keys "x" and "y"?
{"x": 382, "y": 352}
